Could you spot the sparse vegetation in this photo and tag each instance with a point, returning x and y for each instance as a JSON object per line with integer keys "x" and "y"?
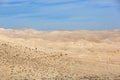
{"x": 75, "y": 55}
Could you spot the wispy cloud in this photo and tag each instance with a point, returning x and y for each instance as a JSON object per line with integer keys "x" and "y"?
{"x": 55, "y": 2}
{"x": 12, "y": 3}
{"x": 8, "y": 3}
{"x": 107, "y": 2}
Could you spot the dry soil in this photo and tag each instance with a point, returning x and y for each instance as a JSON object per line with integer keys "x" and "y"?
{"x": 27, "y": 54}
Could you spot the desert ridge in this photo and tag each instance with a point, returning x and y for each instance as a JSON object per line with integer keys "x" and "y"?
{"x": 27, "y": 54}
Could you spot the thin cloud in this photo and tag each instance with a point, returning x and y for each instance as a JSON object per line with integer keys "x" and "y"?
{"x": 12, "y": 3}
{"x": 7, "y": 3}
{"x": 104, "y": 2}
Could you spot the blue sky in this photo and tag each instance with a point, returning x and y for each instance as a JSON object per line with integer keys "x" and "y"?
{"x": 60, "y": 14}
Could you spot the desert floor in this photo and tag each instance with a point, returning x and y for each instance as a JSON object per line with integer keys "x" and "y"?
{"x": 27, "y": 54}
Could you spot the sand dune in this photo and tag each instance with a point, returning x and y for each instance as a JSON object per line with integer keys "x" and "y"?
{"x": 27, "y": 54}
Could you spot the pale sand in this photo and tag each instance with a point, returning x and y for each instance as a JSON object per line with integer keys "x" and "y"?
{"x": 27, "y": 54}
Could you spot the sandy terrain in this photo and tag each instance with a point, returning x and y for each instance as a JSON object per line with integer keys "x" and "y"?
{"x": 27, "y": 54}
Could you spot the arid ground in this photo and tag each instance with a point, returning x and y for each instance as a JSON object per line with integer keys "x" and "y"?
{"x": 27, "y": 54}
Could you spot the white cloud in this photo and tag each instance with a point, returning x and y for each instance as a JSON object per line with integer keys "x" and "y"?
{"x": 103, "y": 2}
{"x": 7, "y": 3}
{"x": 48, "y": 1}
{"x": 11, "y": 0}
{"x": 55, "y": 1}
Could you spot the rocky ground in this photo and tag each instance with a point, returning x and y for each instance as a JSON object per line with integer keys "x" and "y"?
{"x": 27, "y": 54}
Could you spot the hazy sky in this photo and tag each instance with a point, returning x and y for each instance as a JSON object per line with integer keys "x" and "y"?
{"x": 60, "y": 14}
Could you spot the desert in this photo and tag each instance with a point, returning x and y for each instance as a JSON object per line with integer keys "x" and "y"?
{"x": 27, "y": 54}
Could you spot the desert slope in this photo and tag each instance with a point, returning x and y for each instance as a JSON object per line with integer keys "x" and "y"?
{"x": 27, "y": 54}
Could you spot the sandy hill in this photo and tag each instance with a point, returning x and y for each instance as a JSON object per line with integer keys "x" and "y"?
{"x": 27, "y": 54}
